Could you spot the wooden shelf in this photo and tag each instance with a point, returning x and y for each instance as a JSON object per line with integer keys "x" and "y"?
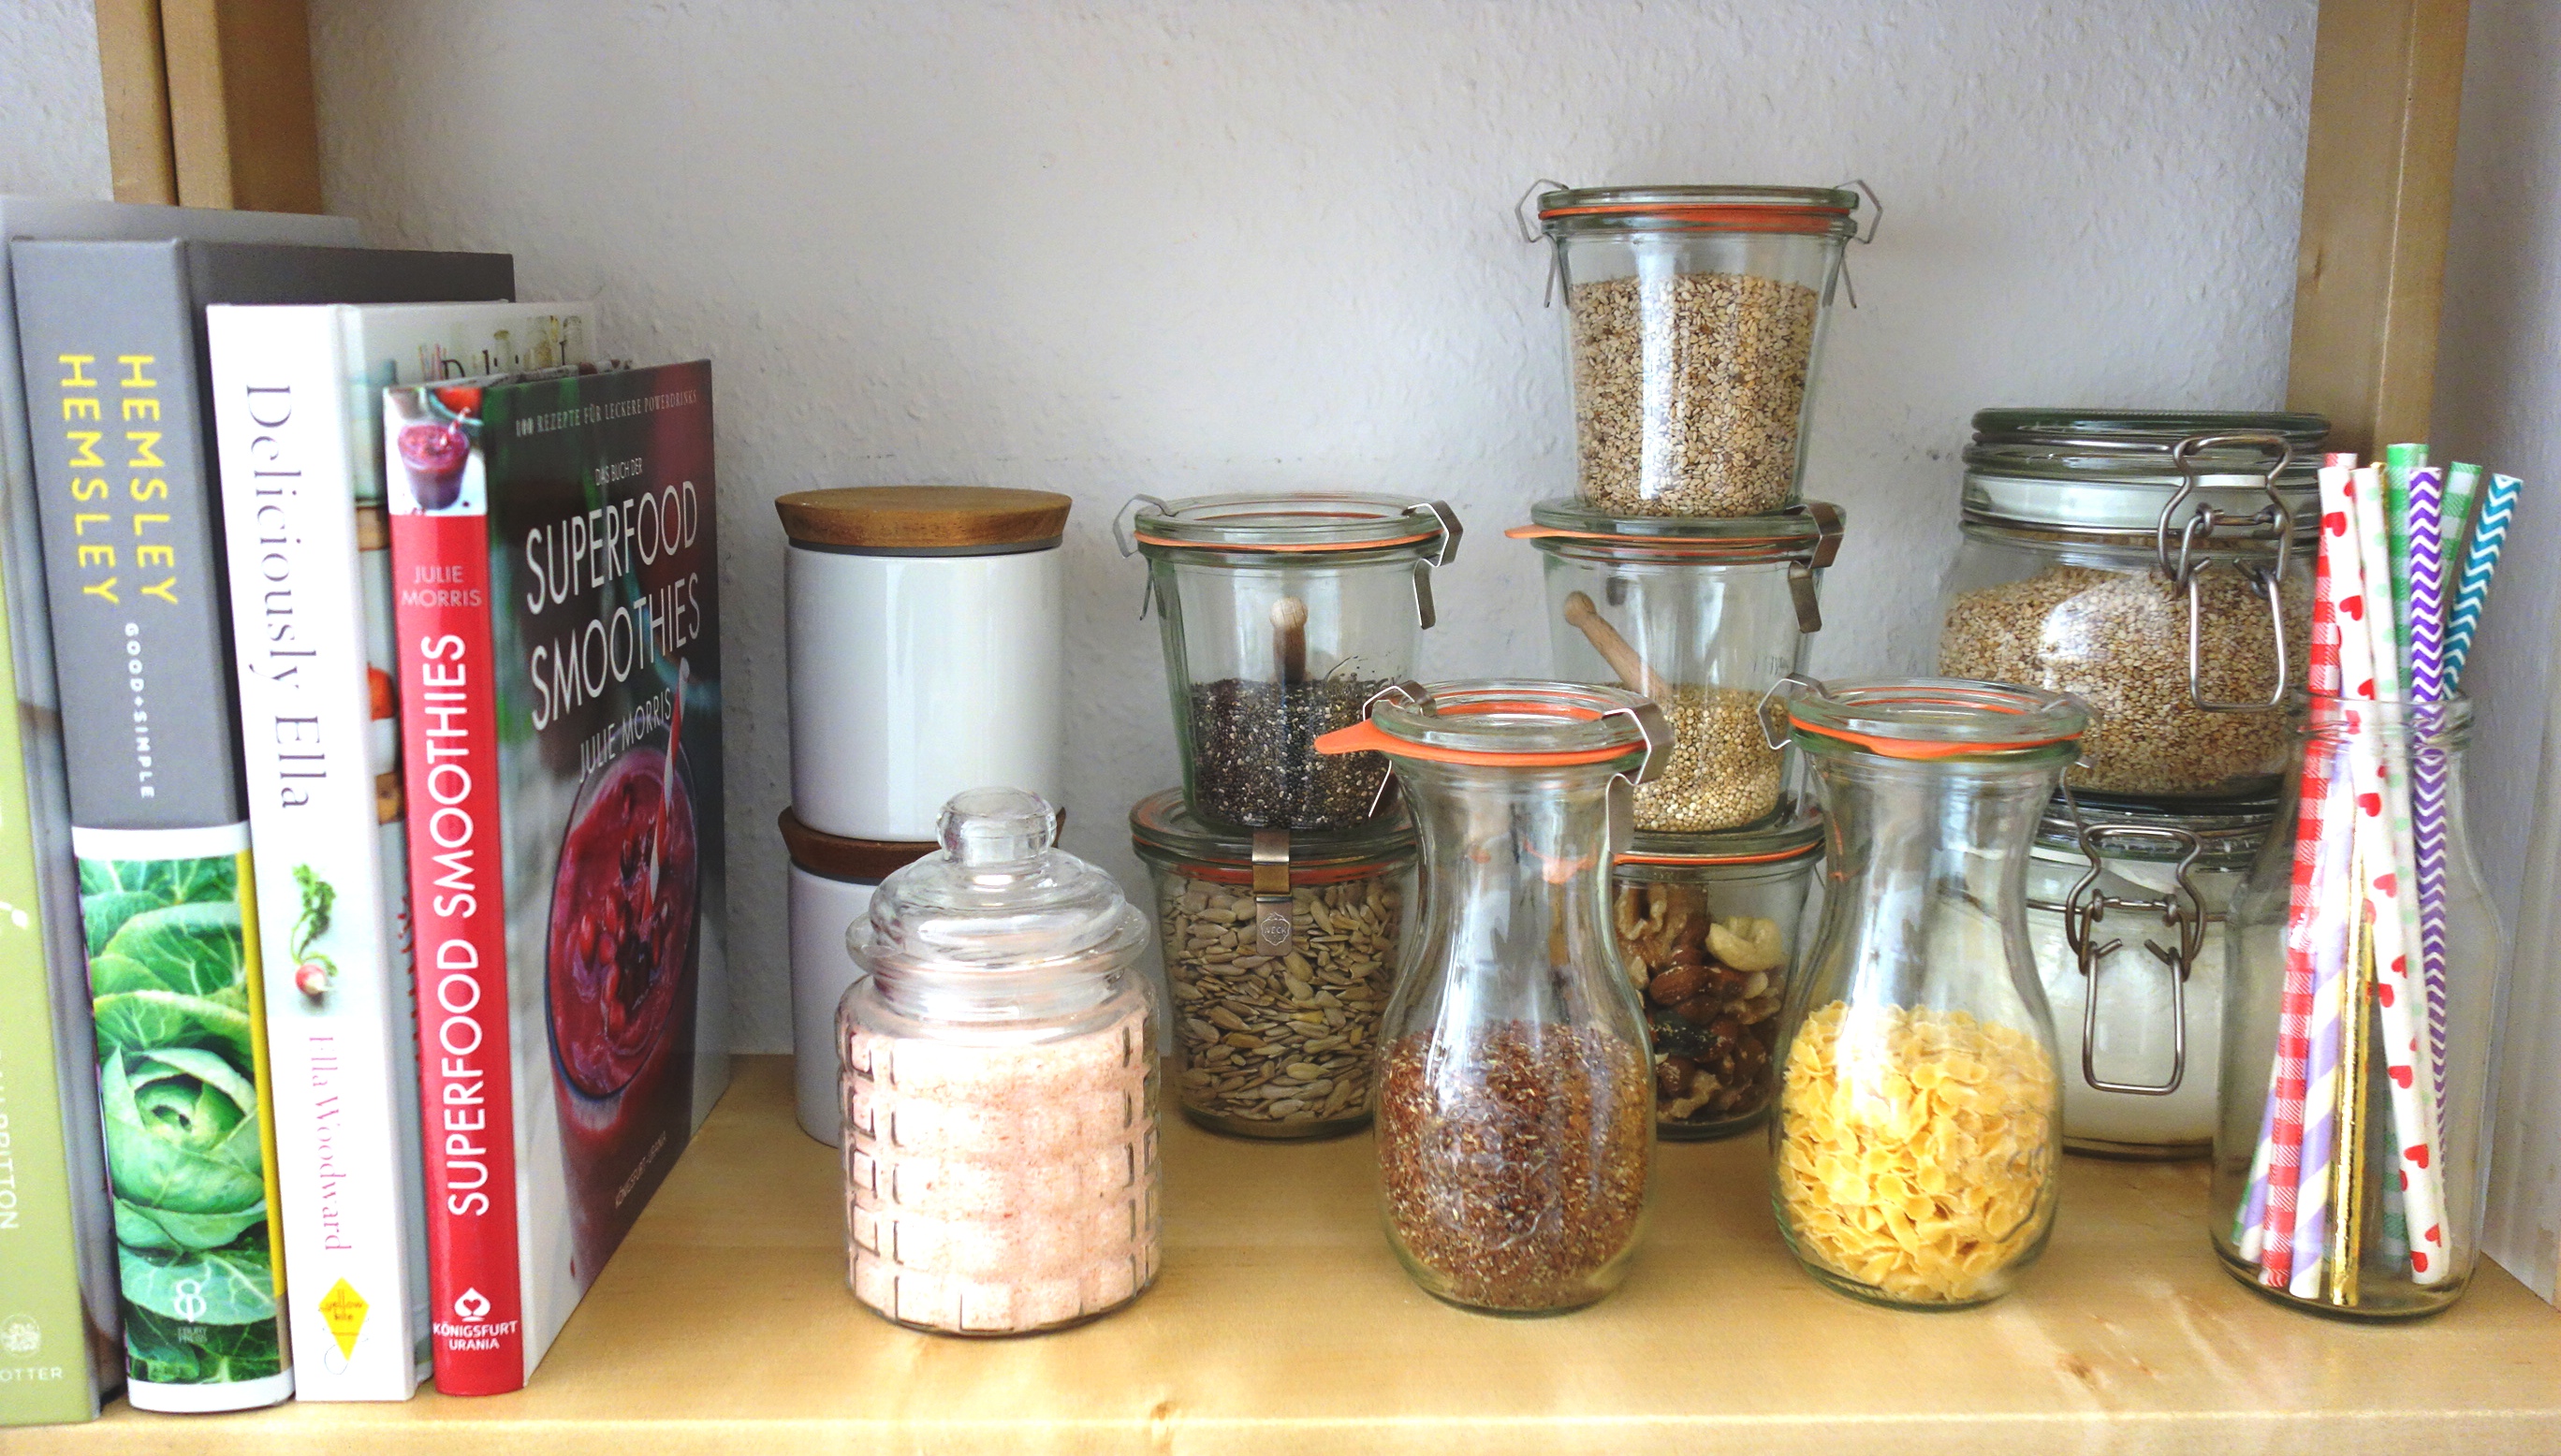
{"x": 1283, "y": 1324}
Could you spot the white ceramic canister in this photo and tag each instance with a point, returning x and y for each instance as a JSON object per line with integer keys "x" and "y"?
{"x": 926, "y": 638}
{"x": 832, "y": 880}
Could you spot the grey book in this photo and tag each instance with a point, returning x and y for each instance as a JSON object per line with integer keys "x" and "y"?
{"x": 111, "y": 342}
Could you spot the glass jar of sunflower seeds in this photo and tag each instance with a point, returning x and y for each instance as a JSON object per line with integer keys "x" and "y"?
{"x": 1701, "y": 616}
{"x": 1280, "y": 951}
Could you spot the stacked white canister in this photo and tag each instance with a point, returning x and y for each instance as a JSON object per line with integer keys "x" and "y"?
{"x": 927, "y": 637}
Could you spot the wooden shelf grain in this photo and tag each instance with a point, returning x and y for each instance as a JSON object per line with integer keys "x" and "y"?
{"x": 1283, "y": 1324}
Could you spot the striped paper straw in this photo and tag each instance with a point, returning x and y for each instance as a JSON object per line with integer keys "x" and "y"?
{"x": 2427, "y": 765}
{"x": 2323, "y": 1128}
{"x": 2481, "y": 561}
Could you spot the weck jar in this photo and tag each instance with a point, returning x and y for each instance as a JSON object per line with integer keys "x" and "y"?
{"x": 1694, "y": 317}
{"x": 1707, "y": 925}
{"x": 1917, "y": 1129}
{"x": 1282, "y": 616}
{"x": 1279, "y": 948}
{"x": 1001, "y": 1171}
{"x": 2156, "y": 564}
{"x": 2129, "y": 907}
{"x": 2351, "y": 1154}
{"x": 1515, "y": 1108}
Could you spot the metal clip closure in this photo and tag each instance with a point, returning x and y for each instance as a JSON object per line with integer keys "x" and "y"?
{"x": 1271, "y": 889}
{"x": 2182, "y": 910}
{"x": 1657, "y": 732}
{"x": 2181, "y": 571}
{"x": 1531, "y": 232}
{"x": 1441, "y": 555}
{"x": 1774, "y": 706}
{"x": 1802, "y": 570}
{"x": 1875, "y": 218}
{"x": 1384, "y": 798}
{"x": 1125, "y": 537}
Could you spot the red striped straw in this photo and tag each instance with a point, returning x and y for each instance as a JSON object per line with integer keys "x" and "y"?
{"x": 2294, "y": 1008}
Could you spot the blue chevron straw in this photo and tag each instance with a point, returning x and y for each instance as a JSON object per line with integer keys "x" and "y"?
{"x": 2481, "y": 561}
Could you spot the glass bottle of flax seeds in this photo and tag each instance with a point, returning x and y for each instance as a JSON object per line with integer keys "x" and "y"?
{"x": 1512, "y": 1091}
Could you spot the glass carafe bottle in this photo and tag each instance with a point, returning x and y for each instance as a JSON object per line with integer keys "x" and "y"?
{"x": 1919, "y": 1120}
{"x": 1514, "y": 1093}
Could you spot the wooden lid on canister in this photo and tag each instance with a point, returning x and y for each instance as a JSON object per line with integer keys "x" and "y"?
{"x": 924, "y": 519}
{"x": 859, "y": 861}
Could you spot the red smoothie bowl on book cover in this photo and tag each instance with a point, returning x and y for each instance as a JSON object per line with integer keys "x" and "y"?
{"x": 619, "y": 988}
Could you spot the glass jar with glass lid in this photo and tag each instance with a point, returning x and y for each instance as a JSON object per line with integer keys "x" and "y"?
{"x": 1700, "y": 615}
{"x": 999, "y": 1083}
{"x": 1280, "y": 951}
{"x": 1515, "y": 1106}
{"x": 1916, "y": 1133}
{"x": 1283, "y": 614}
{"x": 1707, "y": 930}
{"x": 1695, "y": 316}
{"x": 2157, "y": 566}
{"x": 2129, "y": 905}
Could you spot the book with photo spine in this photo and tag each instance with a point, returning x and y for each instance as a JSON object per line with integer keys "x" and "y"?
{"x": 298, "y": 411}
{"x": 112, "y": 350}
{"x": 556, "y": 585}
{"x": 60, "y": 1336}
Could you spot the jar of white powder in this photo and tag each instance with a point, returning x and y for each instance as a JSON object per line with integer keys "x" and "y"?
{"x": 1000, "y": 1083}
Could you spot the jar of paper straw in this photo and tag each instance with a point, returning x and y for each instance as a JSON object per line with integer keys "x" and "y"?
{"x": 2349, "y": 1154}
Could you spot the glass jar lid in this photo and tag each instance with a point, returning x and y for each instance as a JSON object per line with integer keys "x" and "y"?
{"x": 998, "y": 897}
{"x": 1289, "y": 523}
{"x": 2227, "y": 835}
{"x": 1819, "y": 211}
{"x": 1510, "y": 723}
{"x": 1796, "y": 835}
{"x": 1163, "y": 827}
{"x": 2116, "y": 470}
{"x": 1932, "y": 719}
{"x": 1809, "y": 531}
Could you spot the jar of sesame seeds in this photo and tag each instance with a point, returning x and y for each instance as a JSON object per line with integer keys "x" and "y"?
{"x": 1283, "y": 614}
{"x": 1700, "y": 615}
{"x": 1280, "y": 950}
{"x": 1695, "y": 316}
{"x": 2157, "y": 566}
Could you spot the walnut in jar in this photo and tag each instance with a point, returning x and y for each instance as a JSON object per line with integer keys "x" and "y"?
{"x": 1712, "y": 989}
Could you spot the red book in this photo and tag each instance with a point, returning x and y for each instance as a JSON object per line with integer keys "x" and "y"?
{"x": 555, "y": 597}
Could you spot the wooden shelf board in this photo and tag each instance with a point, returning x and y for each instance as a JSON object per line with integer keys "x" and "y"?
{"x": 1283, "y": 1324}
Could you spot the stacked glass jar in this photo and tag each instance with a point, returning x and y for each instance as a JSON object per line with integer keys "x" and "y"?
{"x": 1283, "y": 877}
{"x": 2158, "y": 566}
{"x": 1685, "y": 569}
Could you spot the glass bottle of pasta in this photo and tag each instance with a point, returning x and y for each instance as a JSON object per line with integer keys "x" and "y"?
{"x": 1918, "y": 1127}
{"x": 1515, "y": 1110}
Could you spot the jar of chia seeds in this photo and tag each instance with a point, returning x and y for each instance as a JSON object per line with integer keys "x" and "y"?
{"x": 1702, "y": 616}
{"x": 1280, "y": 950}
{"x": 1707, "y": 927}
{"x": 1282, "y": 616}
{"x": 1693, "y": 319}
{"x": 2128, "y": 911}
{"x": 2157, "y": 566}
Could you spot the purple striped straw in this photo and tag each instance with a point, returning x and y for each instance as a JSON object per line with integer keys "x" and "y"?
{"x": 2427, "y": 763}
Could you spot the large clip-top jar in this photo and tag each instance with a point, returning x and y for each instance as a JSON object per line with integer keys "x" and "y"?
{"x": 1695, "y": 316}
{"x": 1283, "y": 614}
{"x": 1000, "y": 1083}
{"x": 2351, "y": 1162}
{"x": 1918, "y": 1128}
{"x": 1515, "y": 1107}
{"x": 2156, "y": 565}
{"x": 2129, "y": 907}
{"x": 1701, "y": 616}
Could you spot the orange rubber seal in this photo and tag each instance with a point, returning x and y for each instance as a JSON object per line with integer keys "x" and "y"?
{"x": 1798, "y": 853}
{"x": 1719, "y": 217}
{"x": 1924, "y": 751}
{"x": 1172, "y": 545}
{"x": 1700, "y": 545}
{"x": 1368, "y": 737}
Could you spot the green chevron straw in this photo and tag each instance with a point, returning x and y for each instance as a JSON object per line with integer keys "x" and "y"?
{"x": 2398, "y": 462}
{"x": 2463, "y": 484}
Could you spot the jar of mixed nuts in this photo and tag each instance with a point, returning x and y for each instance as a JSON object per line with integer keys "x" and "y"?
{"x": 1693, "y": 317}
{"x": 1282, "y": 615}
{"x": 2158, "y": 566}
{"x": 1707, "y": 925}
{"x": 1280, "y": 951}
{"x": 2128, "y": 911}
{"x": 1701, "y": 616}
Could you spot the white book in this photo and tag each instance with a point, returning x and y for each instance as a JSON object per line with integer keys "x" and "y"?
{"x": 297, "y": 411}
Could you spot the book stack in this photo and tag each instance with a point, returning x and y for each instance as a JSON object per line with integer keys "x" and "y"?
{"x": 352, "y": 588}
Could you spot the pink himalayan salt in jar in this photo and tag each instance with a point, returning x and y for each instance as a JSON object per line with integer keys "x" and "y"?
{"x": 1000, "y": 1084}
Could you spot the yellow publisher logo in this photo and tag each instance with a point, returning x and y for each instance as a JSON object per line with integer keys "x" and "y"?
{"x": 342, "y": 1309}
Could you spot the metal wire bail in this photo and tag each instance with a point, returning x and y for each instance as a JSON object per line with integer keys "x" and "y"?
{"x": 1774, "y": 727}
{"x": 2275, "y": 520}
{"x": 1531, "y": 232}
{"x": 1384, "y": 797}
{"x": 2182, "y": 910}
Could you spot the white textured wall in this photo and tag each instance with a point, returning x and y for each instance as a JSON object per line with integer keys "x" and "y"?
{"x": 2498, "y": 402}
{"x": 1112, "y": 247}
{"x": 53, "y": 109}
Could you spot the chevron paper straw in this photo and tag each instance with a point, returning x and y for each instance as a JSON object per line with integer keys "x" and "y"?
{"x": 2481, "y": 561}
{"x": 2426, "y": 763}
{"x": 2462, "y": 487}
